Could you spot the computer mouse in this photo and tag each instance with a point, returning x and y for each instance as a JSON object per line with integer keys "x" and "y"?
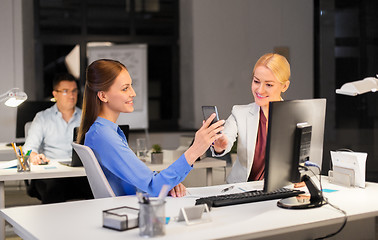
{"x": 43, "y": 162}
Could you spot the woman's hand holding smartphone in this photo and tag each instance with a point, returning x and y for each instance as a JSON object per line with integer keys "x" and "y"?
{"x": 204, "y": 137}
{"x": 220, "y": 144}
{"x": 207, "y": 111}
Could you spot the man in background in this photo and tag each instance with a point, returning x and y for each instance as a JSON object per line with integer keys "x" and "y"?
{"x": 50, "y": 136}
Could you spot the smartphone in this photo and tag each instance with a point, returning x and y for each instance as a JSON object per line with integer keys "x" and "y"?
{"x": 208, "y": 110}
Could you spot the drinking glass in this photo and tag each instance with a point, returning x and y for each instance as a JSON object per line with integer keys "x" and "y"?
{"x": 141, "y": 149}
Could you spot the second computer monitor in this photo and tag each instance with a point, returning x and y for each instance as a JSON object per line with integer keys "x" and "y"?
{"x": 281, "y": 165}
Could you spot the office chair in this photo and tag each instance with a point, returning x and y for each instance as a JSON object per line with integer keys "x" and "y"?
{"x": 26, "y": 113}
{"x": 99, "y": 184}
{"x": 26, "y": 128}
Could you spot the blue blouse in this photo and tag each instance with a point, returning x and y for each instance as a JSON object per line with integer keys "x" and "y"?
{"x": 125, "y": 172}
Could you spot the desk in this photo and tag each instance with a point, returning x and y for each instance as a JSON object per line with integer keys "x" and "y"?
{"x": 56, "y": 170}
{"x": 83, "y": 219}
{"x": 52, "y": 170}
{"x": 208, "y": 163}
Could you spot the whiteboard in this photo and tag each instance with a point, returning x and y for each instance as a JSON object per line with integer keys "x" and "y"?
{"x": 134, "y": 57}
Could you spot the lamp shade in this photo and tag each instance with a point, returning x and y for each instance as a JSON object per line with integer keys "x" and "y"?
{"x": 72, "y": 61}
{"x": 13, "y": 97}
{"x": 369, "y": 84}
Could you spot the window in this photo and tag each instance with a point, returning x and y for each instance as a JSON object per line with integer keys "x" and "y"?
{"x": 60, "y": 25}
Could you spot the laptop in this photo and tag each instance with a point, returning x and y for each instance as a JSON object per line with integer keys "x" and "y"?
{"x": 75, "y": 162}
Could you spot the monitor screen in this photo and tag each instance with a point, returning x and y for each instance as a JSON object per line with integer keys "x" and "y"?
{"x": 281, "y": 165}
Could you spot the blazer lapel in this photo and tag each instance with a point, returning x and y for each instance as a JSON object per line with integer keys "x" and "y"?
{"x": 252, "y": 127}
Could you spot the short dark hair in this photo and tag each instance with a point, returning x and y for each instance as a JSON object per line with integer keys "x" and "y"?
{"x": 62, "y": 77}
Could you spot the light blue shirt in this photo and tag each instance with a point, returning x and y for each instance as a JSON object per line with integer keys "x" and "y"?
{"x": 51, "y": 135}
{"x": 125, "y": 172}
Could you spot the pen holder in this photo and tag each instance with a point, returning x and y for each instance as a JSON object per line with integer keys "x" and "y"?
{"x": 152, "y": 218}
{"x": 23, "y": 164}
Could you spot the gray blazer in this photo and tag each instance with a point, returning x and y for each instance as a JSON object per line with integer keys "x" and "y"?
{"x": 243, "y": 124}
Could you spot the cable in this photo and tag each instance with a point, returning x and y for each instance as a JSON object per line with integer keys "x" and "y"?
{"x": 342, "y": 226}
{"x": 344, "y": 150}
{"x": 307, "y": 163}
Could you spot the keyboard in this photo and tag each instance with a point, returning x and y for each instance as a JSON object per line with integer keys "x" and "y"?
{"x": 247, "y": 197}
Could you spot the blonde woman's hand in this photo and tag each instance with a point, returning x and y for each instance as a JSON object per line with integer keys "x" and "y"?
{"x": 220, "y": 144}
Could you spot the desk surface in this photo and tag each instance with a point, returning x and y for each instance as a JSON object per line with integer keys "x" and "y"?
{"x": 203, "y": 163}
{"x": 52, "y": 170}
{"x": 83, "y": 219}
{"x": 56, "y": 170}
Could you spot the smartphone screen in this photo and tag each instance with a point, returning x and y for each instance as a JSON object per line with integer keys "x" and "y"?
{"x": 208, "y": 110}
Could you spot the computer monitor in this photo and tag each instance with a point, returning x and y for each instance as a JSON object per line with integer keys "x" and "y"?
{"x": 281, "y": 158}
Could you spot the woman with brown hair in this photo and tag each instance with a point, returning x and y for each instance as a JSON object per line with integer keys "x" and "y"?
{"x": 108, "y": 92}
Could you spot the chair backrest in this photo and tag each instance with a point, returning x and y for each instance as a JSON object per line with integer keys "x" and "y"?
{"x": 26, "y": 113}
{"x": 96, "y": 177}
{"x": 26, "y": 128}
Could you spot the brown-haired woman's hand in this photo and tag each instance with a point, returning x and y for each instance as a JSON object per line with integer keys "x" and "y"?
{"x": 205, "y": 136}
{"x": 178, "y": 191}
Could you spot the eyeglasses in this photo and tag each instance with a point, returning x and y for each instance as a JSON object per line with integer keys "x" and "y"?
{"x": 66, "y": 91}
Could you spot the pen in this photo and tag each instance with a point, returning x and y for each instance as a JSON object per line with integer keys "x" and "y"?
{"x": 163, "y": 192}
{"x": 143, "y": 197}
{"x": 227, "y": 189}
{"x": 18, "y": 157}
{"x": 139, "y": 196}
{"x": 146, "y": 199}
{"x": 24, "y": 161}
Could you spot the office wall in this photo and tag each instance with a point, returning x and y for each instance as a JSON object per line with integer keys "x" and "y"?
{"x": 221, "y": 40}
{"x": 11, "y": 61}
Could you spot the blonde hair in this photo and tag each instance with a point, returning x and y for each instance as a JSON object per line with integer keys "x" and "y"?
{"x": 277, "y": 63}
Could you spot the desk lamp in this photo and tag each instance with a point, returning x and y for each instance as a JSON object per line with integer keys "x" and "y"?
{"x": 369, "y": 84}
{"x": 13, "y": 97}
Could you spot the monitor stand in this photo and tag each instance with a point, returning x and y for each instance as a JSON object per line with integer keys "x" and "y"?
{"x": 304, "y": 202}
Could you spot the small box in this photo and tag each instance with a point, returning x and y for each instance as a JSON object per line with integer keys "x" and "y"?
{"x": 122, "y": 218}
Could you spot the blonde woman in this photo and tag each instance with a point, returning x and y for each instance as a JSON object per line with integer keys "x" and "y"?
{"x": 249, "y": 123}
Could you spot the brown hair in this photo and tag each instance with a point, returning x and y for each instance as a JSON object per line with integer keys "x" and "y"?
{"x": 100, "y": 76}
{"x": 277, "y": 64}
